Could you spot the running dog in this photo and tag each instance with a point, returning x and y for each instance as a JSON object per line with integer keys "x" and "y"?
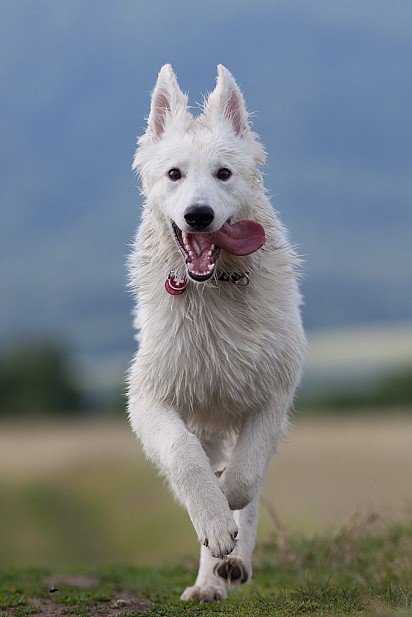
{"x": 221, "y": 342}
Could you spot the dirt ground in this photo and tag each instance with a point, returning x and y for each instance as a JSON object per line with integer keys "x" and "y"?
{"x": 332, "y": 467}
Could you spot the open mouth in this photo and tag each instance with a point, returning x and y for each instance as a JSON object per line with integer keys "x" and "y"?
{"x": 199, "y": 252}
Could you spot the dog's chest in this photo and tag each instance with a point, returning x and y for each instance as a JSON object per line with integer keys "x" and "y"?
{"x": 203, "y": 353}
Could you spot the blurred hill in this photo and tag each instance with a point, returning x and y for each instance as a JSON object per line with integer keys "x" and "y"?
{"x": 331, "y": 86}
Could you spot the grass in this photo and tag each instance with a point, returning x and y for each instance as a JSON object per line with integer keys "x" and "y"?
{"x": 364, "y": 568}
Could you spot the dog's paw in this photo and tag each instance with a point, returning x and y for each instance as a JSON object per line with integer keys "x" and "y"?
{"x": 232, "y": 570}
{"x": 219, "y": 535}
{"x": 238, "y": 490}
{"x": 204, "y": 594}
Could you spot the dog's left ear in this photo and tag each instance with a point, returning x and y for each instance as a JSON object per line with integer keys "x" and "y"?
{"x": 227, "y": 102}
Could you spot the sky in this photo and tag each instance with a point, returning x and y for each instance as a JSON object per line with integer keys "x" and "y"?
{"x": 329, "y": 87}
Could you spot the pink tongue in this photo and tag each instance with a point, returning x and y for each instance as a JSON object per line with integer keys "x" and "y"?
{"x": 242, "y": 238}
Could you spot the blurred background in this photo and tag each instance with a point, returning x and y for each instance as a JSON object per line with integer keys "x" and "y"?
{"x": 329, "y": 85}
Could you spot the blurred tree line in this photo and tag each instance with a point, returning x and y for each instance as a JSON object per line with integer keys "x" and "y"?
{"x": 391, "y": 390}
{"x": 36, "y": 378}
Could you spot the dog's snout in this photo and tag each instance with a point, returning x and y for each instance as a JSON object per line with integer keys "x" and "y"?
{"x": 199, "y": 217}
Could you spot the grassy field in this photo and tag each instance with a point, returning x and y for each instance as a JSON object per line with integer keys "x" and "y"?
{"x": 365, "y": 568}
{"x": 75, "y": 497}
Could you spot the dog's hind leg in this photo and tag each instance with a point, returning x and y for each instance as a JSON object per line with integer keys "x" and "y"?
{"x": 208, "y": 586}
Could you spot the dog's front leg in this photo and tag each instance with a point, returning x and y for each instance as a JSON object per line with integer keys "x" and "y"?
{"x": 180, "y": 457}
{"x": 257, "y": 440}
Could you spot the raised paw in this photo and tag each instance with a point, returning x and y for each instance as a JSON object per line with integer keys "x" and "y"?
{"x": 204, "y": 594}
{"x": 232, "y": 569}
{"x": 220, "y": 536}
{"x": 238, "y": 489}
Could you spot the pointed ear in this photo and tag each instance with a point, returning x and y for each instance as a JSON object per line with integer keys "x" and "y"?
{"x": 226, "y": 101}
{"x": 168, "y": 101}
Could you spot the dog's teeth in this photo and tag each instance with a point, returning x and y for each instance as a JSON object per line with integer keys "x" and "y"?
{"x": 209, "y": 254}
{"x": 210, "y": 267}
{"x": 190, "y": 253}
{"x": 187, "y": 247}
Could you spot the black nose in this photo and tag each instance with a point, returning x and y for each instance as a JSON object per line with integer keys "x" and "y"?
{"x": 199, "y": 217}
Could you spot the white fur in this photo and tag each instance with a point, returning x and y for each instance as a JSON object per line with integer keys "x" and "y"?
{"x": 217, "y": 367}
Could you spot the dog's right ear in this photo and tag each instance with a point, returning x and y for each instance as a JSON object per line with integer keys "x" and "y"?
{"x": 168, "y": 103}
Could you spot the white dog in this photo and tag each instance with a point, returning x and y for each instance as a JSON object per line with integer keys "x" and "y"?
{"x": 220, "y": 335}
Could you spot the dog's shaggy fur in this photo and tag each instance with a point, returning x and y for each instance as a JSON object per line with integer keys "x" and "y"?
{"x": 218, "y": 365}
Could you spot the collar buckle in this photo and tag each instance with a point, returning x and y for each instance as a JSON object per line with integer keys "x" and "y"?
{"x": 243, "y": 280}
{"x": 238, "y": 278}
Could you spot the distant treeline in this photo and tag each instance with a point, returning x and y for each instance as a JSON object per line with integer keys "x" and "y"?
{"x": 38, "y": 378}
{"x": 391, "y": 390}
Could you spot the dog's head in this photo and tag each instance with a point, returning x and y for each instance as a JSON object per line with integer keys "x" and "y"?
{"x": 199, "y": 173}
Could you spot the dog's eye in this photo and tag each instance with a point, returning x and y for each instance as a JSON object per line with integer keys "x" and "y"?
{"x": 224, "y": 173}
{"x": 174, "y": 174}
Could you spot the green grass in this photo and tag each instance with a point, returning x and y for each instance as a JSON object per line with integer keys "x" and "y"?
{"x": 365, "y": 568}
